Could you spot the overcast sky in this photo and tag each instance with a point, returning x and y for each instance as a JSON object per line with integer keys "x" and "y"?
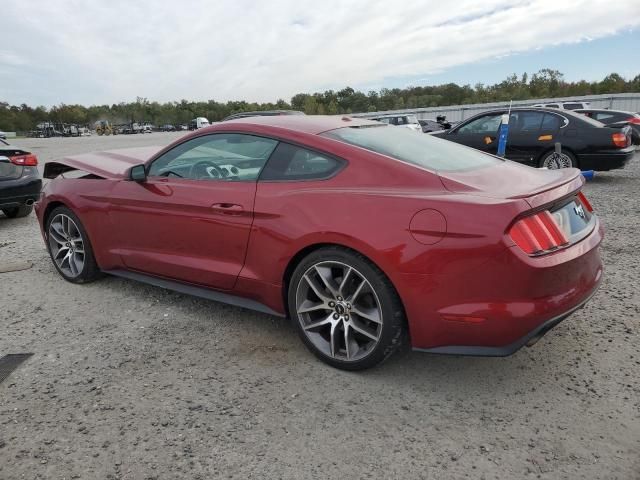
{"x": 106, "y": 52}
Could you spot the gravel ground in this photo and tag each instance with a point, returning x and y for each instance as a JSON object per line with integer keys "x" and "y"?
{"x": 130, "y": 381}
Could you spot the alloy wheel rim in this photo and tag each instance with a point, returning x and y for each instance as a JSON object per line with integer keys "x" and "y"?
{"x": 558, "y": 160}
{"x": 66, "y": 245}
{"x": 339, "y": 311}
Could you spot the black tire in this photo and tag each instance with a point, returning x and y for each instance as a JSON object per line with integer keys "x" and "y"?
{"x": 18, "y": 212}
{"x": 392, "y": 329}
{"x": 90, "y": 270}
{"x": 566, "y": 153}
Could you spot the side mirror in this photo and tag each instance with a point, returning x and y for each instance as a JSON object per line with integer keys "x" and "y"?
{"x": 138, "y": 174}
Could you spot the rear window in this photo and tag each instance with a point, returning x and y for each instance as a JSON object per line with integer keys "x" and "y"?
{"x": 421, "y": 150}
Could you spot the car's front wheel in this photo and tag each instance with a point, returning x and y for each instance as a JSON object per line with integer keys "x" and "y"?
{"x": 69, "y": 247}
{"x": 346, "y": 310}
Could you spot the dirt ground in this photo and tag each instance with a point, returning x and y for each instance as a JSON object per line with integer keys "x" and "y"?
{"x": 129, "y": 381}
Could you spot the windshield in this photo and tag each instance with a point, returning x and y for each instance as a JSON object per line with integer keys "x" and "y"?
{"x": 412, "y": 119}
{"x": 422, "y": 150}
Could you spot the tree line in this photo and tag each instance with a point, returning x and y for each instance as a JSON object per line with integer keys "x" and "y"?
{"x": 546, "y": 83}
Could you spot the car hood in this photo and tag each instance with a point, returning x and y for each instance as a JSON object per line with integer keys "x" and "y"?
{"x": 511, "y": 180}
{"x": 113, "y": 164}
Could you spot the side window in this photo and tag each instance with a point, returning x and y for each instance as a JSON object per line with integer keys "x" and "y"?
{"x": 401, "y": 120}
{"x": 572, "y": 106}
{"x": 223, "y": 156}
{"x": 384, "y": 120}
{"x": 526, "y": 122}
{"x": 553, "y": 105}
{"x": 484, "y": 124}
{"x": 550, "y": 123}
{"x": 289, "y": 162}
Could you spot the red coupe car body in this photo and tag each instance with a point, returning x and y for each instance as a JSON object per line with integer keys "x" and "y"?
{"x": 450, "y": 242}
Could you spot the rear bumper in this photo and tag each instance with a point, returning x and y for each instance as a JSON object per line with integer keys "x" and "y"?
{"x": 506, "y": 350}
{"x": 23, "y": 190}
{"x": 606, "y": 160}
{"x": 506, "y": 303}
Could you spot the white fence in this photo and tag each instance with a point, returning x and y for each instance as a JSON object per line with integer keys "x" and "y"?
{"x": 455, "y": 113}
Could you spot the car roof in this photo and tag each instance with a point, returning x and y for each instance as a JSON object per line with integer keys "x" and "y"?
{"x": 391, "y": 115}
{"x": 257, "y": 113}
{"x": 604, "y": 110}
{"x": 313, "y": 124}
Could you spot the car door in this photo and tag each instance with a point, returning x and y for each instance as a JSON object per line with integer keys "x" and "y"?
{"x": 531, "y": 132}
{"x": 522, "y": 141}
{"x": 190, "y": 220}
{"x": 480, "y": 133}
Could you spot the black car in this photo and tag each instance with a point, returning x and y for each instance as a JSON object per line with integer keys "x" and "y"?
{"x": 440, "y": 123}
{"x": 533, "y": 133}
{"x": 616, "y": 119}
{"x": 262, "y": 113}
{"x": 20, "y": 182}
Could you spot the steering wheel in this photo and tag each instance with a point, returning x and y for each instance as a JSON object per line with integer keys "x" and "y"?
{"x": 201, "y": 170}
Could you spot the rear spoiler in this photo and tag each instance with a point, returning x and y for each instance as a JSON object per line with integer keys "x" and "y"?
{"x": 556, "y": 192}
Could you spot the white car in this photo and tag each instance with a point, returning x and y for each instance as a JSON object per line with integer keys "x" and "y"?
{"x": 409, "y": 121}
{"x": 565, "y": 105}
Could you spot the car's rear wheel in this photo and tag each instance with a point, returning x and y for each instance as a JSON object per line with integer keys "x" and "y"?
{"x": 346, "y": 310}
{"x": 554, "y": 161}
{"x": 17, "y": 212}
{"x": 69, "y": 247}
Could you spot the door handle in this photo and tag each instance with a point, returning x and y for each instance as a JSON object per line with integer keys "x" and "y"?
{"x": 228, "y": 208}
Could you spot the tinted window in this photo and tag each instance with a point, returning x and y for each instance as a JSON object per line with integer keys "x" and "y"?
{"x": 228, "y": 156}
{"x": 553, "y": 105}
{"x": 421, "y": 150}
{"x": 523, "y": 122}
{"x": 290, "y": 162}
{"x": 484, "y": 124}
{"x": 550, "y": 122}
{"x": 572, "y": 106}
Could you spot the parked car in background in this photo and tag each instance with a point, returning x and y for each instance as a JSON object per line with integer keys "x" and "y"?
{"x": 168, "y": 128}
{"x": 440, "y": 123}
{"x": 409, "y": 121}
{"x": 20, "y": 182}
{"x": 616, "y": 119}
{"x": 183, "y": 127}
{"x": 364, "y": 234}
{"x": 564, "y": 105}
{"x": 534, "y": 131}
{"x": 198, "y": 123}
{"x": 146, "y": 128}
{"x": 261, "y": 113}
{"x": 3, "y": 136}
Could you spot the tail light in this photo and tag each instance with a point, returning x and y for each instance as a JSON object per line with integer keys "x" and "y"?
{"x": 538, "y": 233}
{"x": 549, "y": 230}
{"x": 585, "y": 203}
{"x": 620, "y": 140}
{"x": 28, "y": 160}
{"x": 634, "y": 120}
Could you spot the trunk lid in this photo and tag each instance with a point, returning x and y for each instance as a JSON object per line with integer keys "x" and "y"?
{"x": 510, "y": 180}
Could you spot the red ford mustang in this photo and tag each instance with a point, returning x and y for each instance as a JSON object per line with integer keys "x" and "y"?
{"x": 362, "y": 233}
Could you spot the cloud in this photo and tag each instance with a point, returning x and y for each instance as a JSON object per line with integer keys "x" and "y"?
{"x": 88, "y": 52}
